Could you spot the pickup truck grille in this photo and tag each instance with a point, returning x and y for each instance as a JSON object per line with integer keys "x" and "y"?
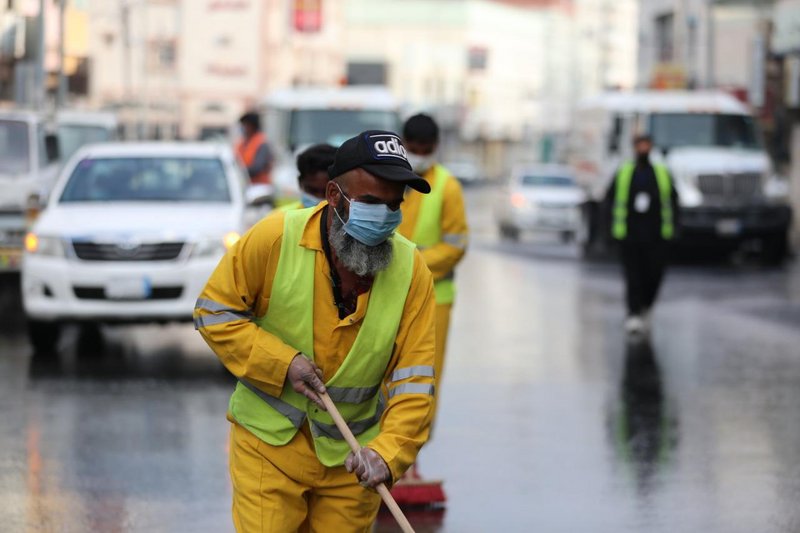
{"x": 163, "y": 251}
{"x": 741, "y": 186}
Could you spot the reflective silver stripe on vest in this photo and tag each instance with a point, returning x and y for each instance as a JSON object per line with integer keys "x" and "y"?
{"x": 213, "y": 307}
{"x": 352, "y": 394}
{"x": 201, "y": 321}
{"x": 295, "y": 415}
{"x": 320, "y": 429}
{"x": 459, "y": 240}
{"x": 412, "y": 388}
{"x": 412, "y": 371}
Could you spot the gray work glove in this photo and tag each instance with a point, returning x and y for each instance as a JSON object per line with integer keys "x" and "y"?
{"x": 306, "y": 378}
{"x": 369, "y": 467}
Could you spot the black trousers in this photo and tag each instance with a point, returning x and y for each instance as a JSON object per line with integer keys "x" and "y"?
{"x": 643, "y": 264}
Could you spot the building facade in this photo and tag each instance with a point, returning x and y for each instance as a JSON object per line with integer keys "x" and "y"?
{"x": 188, "y": 68}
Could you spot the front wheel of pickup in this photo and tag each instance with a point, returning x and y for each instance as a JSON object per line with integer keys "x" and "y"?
{"x": 774, "y": 248}
{"x": 44, "y": 336}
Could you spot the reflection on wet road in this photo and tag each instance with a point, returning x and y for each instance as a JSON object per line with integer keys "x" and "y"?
{"x": 550, "y": 419}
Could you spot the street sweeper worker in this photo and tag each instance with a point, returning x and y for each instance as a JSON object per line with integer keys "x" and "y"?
{"x": 436, "y": 222}
{"x": 312, "y": 176}
{"x": 326, "y": 298}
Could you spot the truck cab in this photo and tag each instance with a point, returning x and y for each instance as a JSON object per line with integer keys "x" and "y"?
{"x": 78, "y": 128}
{"x": 713, "y": 148}
{"x": 29, "y": 158}
{"x": 297, "y": 118}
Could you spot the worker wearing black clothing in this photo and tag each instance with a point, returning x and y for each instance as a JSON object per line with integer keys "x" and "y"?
{"x": 644, "y": 211}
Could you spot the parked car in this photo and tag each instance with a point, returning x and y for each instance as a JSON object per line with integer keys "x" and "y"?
{"x": 542, "y": 198}
{"x": 130, "y": 234}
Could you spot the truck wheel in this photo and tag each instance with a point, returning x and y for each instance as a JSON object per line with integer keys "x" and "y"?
{"x": 44, "y": 336}
{"x": 774, "y": 249}
{"x": 509, "y": 233}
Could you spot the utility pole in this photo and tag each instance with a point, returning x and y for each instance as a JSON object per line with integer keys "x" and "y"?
{"x": 61, "y": 95}
{"x": 39, "y": 83}
{"x": 125, "y": 20}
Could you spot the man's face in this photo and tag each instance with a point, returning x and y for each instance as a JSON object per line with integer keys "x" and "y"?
{"x": 420, "y": 148}
{"x": 315, "y": 184}
{"x": 643, "y": 147}
{"x": 361, "y": 186}
{"x": 248, "y": 130}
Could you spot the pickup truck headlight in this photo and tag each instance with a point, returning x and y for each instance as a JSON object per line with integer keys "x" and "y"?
{"x": 44, "y": 245}
{"x": 215, "y": 247}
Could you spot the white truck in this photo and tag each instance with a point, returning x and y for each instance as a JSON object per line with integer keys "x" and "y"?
{"x": 28, "y": 168}
{"x": 32, "y": 146}
{"x": 713, "y": 148}
{"x": 299, "y": 117}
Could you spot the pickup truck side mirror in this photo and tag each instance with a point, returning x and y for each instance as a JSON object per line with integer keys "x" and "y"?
{"x": 259, "y": 194}
{"x": 51, "y": 147}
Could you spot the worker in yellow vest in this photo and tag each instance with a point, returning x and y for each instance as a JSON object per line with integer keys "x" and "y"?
{"x": 436, "y": 223}
{"x": 326, "y": 298}
{"x": 643, "y": 204}
{"x": 312, "y": 178}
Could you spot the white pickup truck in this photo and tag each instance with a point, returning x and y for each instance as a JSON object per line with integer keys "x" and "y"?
{"x": 713, "y": 148}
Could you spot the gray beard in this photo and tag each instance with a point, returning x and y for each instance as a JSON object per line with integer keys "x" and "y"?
{"x": 355, "y": 256}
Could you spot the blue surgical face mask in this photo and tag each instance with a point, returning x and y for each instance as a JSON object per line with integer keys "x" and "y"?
{"x": 370, "y": 224}
{"x": 309, "y": 200}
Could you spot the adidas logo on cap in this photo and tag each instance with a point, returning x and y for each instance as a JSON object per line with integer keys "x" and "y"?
{"x": 386, "y": 145}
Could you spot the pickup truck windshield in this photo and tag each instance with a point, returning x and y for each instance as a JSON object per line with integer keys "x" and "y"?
{"x": 71, "y": 137}
{"x": 334, "y": 126}
{"x": 147, "y": 179}
{"x": 14, "y": 147}
{"x": 672, "y": 130}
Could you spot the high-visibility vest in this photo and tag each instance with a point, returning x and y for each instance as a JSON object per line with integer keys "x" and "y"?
{"x": 289, "y": 207}
{"x": 356, "y": 386}
{"x": 428, "y": 230}
{"x": 247, "y": 150}
{"x": 623, "y": 192}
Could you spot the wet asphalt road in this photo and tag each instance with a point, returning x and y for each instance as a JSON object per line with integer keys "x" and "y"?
{"x": 550, "y": 420}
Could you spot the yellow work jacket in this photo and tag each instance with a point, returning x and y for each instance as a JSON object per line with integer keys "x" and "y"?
{"x": 240, "y": 289}
{"x": 442, "y": 257}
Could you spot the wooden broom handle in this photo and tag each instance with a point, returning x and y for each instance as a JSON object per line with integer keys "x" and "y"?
{"x": 344, "y": 429}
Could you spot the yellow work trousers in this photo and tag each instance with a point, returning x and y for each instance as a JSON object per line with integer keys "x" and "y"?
{"x": 442, "y": 325}
{"x": 285, "y": 489}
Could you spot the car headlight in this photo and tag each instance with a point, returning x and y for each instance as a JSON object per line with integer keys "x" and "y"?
{"x": 216, "y": 246}
{"x": 43, "y": 245}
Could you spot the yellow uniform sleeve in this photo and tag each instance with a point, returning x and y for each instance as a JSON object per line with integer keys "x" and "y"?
{"x": 443, "y": 257}
{"x": 237, "y": 291}
{"x": 405, "y": 424}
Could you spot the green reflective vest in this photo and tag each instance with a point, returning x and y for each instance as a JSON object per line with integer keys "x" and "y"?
{"x": 428, "y": 230}
{"x": 624, "y": 177}
{"x": 356, "y": 386}
{"x": 290, "y": 207}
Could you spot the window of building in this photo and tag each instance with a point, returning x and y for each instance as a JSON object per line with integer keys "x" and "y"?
{"x": 162, "y": 56}
{"x": 665, "y": 37}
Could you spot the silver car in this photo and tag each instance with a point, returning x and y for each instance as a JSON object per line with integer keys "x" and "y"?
{"x": 540, "y": 198}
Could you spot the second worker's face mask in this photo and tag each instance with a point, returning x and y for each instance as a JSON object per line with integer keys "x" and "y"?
{"x": 420, "y": 164}
{"x": 370, "y": 224}
{"x": 309, "y": 200}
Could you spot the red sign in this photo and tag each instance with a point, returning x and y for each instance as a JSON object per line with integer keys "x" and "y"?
{"x": 308, "y": 16}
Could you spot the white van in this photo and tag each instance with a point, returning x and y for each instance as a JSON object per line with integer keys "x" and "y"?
{"x": 296, "y": 118}
{"x": 711, "y": 144}
{"x": 28, "y": 168}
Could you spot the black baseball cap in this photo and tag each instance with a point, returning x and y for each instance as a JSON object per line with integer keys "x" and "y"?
{"x": 382, "y": 154}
